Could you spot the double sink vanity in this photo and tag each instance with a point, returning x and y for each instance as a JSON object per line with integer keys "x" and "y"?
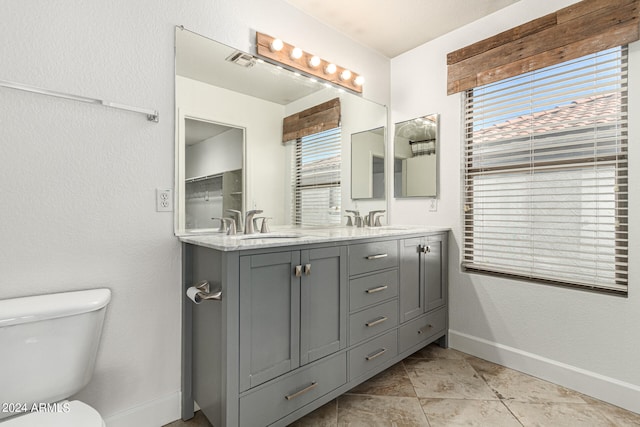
{"x": 281, "y": 322}
{"x": 305, "y": 315}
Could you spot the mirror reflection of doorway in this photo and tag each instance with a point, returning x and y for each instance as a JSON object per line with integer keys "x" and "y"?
{"x": 213, "y": 172}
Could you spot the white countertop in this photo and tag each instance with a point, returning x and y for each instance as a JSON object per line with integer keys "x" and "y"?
{"x": 296, "y": 235}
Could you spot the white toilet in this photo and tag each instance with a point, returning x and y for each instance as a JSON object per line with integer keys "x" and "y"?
{"x": 48, "y": 346}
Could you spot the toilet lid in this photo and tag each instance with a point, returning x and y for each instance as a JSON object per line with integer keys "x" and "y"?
{"x": 74, "y": 413}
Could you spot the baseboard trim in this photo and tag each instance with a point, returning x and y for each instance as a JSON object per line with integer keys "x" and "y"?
{"x": 616, "y": 392}
{"x": 154, "y": 413}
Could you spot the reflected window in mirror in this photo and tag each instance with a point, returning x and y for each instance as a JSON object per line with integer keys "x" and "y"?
{"x": 415, "y": 162}
{"x": 316, "y": 183}
{"x": 367, "y": 164}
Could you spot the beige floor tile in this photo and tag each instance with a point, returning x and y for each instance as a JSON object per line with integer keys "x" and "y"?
{"x": 620, "y": 417}
{"x": 324, "y": 416}
{"x": 447, "y": 379}
{"x": 378, "y": 411}
{"x": 513, "y": 385}
{"x": 467, "y": 412}
{"x": 433, "y": 351}
{"x": 391, "y": 382}
{"x": 558, "y": 414}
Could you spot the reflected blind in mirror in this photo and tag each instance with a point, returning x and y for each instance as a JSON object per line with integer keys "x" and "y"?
{"x": 316, "y": 179}
{"x": 545, "y": 174}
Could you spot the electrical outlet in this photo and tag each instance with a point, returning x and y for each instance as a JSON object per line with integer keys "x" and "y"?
{"x": 433, "y": 205}
{"x": 164, "y": 200}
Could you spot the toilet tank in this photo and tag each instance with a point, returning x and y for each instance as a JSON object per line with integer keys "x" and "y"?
{"x": 48, "y": 344}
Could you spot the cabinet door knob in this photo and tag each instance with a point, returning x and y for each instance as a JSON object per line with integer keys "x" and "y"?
{"x": 424, "y": 249}
{"x": 298, "y": 271}
{"x": 307, "y": 269}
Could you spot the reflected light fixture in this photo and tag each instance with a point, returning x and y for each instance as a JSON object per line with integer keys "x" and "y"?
{"x": 311, "y": 65}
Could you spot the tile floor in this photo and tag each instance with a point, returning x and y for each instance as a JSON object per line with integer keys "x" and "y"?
{"x": 443, "y": 387}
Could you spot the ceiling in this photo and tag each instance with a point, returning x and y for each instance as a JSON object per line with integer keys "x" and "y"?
{"x": 393, "y": 27}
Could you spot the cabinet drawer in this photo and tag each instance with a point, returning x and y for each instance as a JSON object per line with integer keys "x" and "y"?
{"x": 366, "y": 257}
{"x": 285, "y": 395}
{"x": 373, "y": 353}
{"x": 421, "y": 329}
{"x": 372, "y": 321}
{"x": 373, "y": 289}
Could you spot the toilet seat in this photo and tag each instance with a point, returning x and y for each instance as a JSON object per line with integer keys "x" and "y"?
{"x": 79, "y": 414}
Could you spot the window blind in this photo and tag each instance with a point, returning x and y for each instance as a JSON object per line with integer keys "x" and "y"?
{"x": 545, "y": 174}
{"x": 316, "y": 179}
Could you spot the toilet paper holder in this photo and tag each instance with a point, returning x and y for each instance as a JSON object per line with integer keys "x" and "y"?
{"x": 204, "y": 292}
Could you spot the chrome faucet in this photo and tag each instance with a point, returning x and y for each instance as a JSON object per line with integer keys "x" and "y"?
{"x": 248, "y": 222}
{"x": 372, "y": 218}
{"x": 237, "y": 215}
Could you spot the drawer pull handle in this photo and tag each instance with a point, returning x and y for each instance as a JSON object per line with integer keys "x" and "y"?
{"x": 379, "y": 353}
{"x": 307, "y": 269}
{"x": 426, "y": 328}
{"x": 378, "y": 289}
{"x": 376, "y": 322}
{"x": 425, "y": 249}
{"x": 298, "y": 271}
{"x": 377, "y": 256}
{"x": 301, "y": 392}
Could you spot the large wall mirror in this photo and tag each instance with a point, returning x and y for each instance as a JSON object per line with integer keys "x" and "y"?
{"x": 415, "y": 157}
{"x": 230, "y": 107}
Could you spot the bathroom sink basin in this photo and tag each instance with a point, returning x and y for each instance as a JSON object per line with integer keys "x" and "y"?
{"x": 393, "y": 227}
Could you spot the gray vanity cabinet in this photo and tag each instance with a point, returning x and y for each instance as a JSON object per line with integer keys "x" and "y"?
{"x": 422, "y": 275}
{"x": 300, "y": 324}
{"x": 292, "y": 311}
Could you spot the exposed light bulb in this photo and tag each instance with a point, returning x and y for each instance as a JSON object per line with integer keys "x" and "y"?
{"x": 314, "y": 61}
{"x": 296, "y": 53}
{"x": 276, "y": 45}
{"x": 330, "y": 69}
{"x": 345, "y": 75}
{"x": 359, "y": 81}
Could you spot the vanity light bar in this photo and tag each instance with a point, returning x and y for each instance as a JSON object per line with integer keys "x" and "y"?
{"x": 294, "y": 57}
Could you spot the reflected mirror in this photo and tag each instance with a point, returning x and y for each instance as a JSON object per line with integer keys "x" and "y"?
{"x": 213, "y": 172}
{"x": 230, "y": 107}
{"x": 367, "y": 164}
{"x": 415, "y": 157}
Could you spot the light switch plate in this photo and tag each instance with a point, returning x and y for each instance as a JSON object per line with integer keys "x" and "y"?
{"x": 433, "y": 205}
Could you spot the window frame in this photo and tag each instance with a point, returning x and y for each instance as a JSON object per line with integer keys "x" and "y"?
{"x": 620, "y": 198}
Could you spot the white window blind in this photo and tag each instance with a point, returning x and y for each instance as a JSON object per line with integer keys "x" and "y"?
{"x": 316, "y": 179}
{"x": 545, "y": 174}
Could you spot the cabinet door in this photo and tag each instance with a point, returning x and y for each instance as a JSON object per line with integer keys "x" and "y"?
{"x": 435, "y": 272}
{"x": 411, "y": 290}
{"x": 323, "y": 302}
{"x": 269, "y": 317}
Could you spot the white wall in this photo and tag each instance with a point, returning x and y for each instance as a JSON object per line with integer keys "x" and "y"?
{"x": 78, "y": 180}
{"x": 586, "y": 341}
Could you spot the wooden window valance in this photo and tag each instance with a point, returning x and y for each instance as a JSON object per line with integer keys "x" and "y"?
{"x": 580, "y": 29}
{"x": 316, "y": 119}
